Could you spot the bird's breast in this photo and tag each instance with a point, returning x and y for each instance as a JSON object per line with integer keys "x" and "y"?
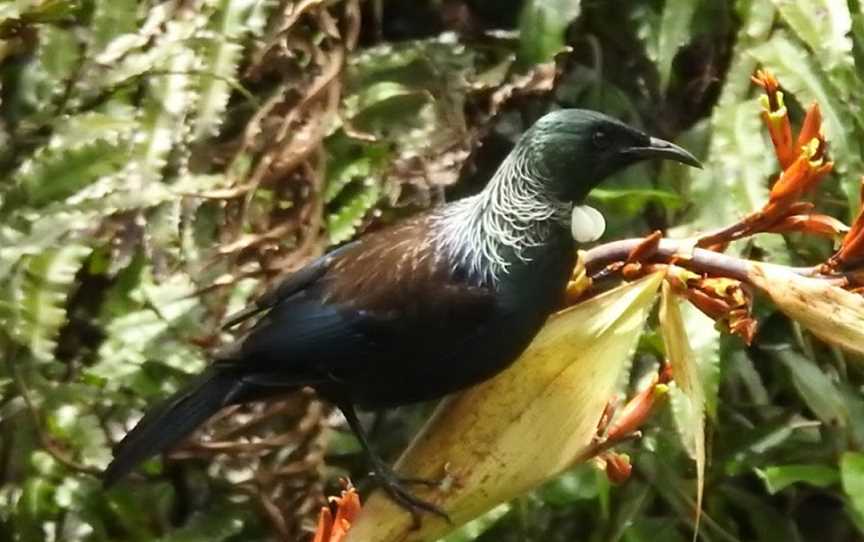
{"x": 464, "y": 344}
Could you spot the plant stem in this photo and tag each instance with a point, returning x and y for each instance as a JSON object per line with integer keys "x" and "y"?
{"x": 681, "y": 252}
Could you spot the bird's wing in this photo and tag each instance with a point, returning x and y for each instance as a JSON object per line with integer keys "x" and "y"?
{"x": 390, "y": 293}
{"x": 288, "y": 286}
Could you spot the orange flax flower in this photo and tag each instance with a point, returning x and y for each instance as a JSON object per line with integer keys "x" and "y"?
{"x": 776, "y": 117}
{"x": 724, "y": 300}
{"x": 803, "y": 161}
{"x": 852, "y": 248}
{"x": 812, "y": 125}
{"x": 625, "y": 425}
{"x": 347, "y": 506}
{"x": 713, "y": 307}
{"x": 617, "y": 466}
{"x": 808, "y": 169}
{"x": 637, "y": 410}
{"x": 742, "y": 323}
{"x": 824, "y": 225}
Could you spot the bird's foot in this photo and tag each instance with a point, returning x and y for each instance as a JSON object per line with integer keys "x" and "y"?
{"x": 427, "y": 482}
{"x": 394, "y": 486}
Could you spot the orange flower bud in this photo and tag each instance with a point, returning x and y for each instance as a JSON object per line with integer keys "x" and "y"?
{"x": 817, "y": 173}
{"x": 789, "y": 186}
{"x": 713, "y": 307}
{"x": 769, "y": 83}
{"x": 852, "y": 248}
{"x": 325, "y": 525}
{"x": 743, "y": 325}
{"x": 636, "y": 411}
{"x": 647, "y": 248}
{"x": 816, "y": 224}
{"x": 776, "y": 118}
{"x": 632, "y": 270}
{"x": 618, "y": 467}
{"x": 332, "y": 529}
{"x": 781, "y": 135}
{"x": 812, "y": 125}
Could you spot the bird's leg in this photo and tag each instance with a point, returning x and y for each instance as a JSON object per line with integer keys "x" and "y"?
{"x": 377, "y": 425}
{"x": 385, "y": 476}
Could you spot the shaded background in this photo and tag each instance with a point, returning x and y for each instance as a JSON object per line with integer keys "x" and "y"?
{"x": 162, "y": 162}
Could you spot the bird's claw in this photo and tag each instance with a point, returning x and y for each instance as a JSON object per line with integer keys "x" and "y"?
{"x": 427, "y": 482}
{"x": 394, "y": 486}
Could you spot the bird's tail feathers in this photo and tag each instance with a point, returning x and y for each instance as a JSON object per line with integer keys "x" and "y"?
{"x": 169, "y": 423}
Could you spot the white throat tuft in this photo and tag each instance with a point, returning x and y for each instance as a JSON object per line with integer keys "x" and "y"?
{"x": 514, "y": 213}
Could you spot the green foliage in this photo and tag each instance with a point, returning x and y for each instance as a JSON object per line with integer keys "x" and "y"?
{"x": 852, "y": 474}
{"x": 542, "y": 24}
{"x": 779, "y": 477}
{"x": 665, "y": 33}
{"x": 37, "y": 293}
{"x": 220, "y": 58}
{"x": 473, "y": 529}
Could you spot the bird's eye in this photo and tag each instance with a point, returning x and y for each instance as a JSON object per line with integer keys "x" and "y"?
{"x": 600, "y": 139}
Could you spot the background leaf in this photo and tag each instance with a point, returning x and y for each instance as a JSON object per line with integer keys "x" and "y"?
{"x": 542, "y": 24}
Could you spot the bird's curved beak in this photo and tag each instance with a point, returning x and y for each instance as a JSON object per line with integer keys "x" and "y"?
{"x": 660, "y": 148}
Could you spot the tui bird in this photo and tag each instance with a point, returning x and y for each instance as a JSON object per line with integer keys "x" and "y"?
{"x": 421, "y": 309}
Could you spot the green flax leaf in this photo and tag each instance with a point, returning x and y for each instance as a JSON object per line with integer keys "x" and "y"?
{"x": 816, "y": 389}
{"x": 824, "y": 25}
{"x": 779, "y": 477}
{"x": 542, "y": 24}
{"x": 852, "y": 475}
{"x": 665, "y": 33}
{"x": 739, "y": 160}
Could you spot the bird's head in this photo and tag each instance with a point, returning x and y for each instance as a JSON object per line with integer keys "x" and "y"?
{"x": 573, "y": 150}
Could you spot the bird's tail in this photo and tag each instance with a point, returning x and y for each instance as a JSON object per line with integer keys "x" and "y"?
{"x": 169, "y": 423}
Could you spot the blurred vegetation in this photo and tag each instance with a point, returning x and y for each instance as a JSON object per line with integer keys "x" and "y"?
{"x": 161, "y": 162}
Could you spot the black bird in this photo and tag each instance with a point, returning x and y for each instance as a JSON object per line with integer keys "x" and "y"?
{"x": 423, "y": 308}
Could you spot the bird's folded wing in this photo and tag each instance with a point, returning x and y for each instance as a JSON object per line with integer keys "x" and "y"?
{"x": 393, "y": 292}
{"x": 289, "y": 285}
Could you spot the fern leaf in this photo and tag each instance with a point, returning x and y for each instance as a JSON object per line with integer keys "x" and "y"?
{"x": 43, "y": 80}
{"x": 137, "y": 333}
{"x": 221, "y": 56}
{"x": 342, "y": 174}
{"x": 159, "y": 40}
{"x": 38, "y": 293}
{"x": 56, "y": 173}
{"x": 169, "y": 99}
{"x": 343, "y": 224}
{"x": 112, "y": 18}
{"x": 112, "y": 126}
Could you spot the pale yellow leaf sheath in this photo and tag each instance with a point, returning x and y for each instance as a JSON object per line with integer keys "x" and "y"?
{"x": 691, "y": 417}
{"x": 830, "y": 312}
{"x": 523, "y": 427}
